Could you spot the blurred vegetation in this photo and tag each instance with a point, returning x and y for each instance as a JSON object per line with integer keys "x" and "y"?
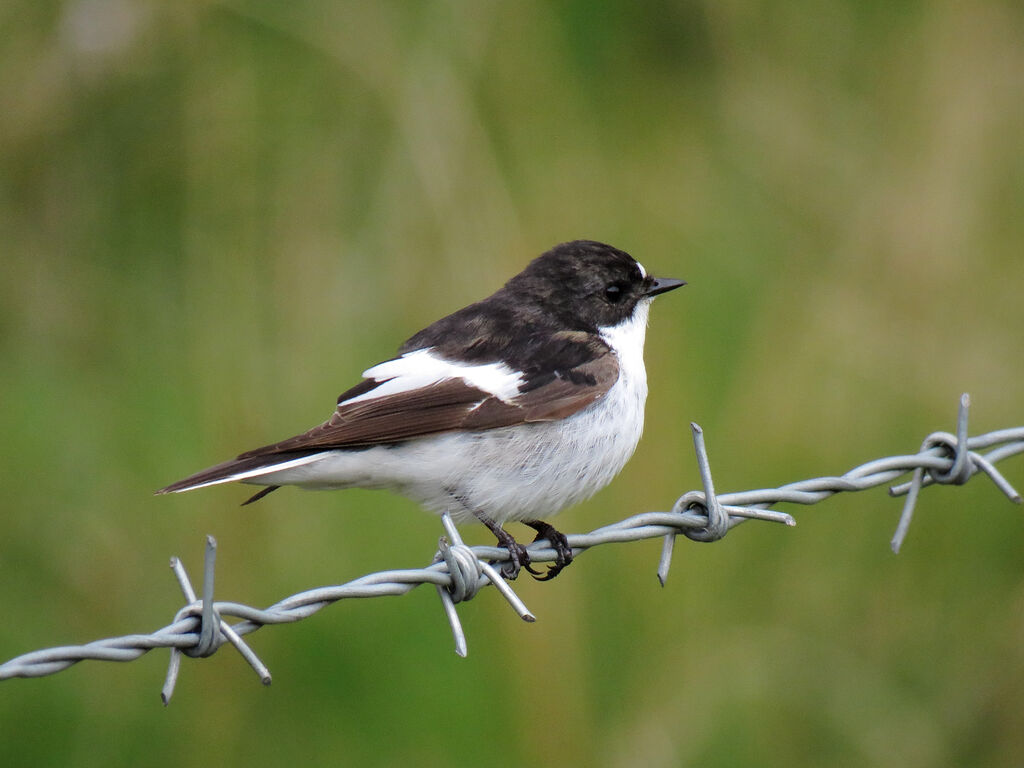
{"x": 214, "y": 215}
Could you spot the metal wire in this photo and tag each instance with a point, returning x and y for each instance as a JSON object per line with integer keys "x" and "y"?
{"x": 458, "y": 572}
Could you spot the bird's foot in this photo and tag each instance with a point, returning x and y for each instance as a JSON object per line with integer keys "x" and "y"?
{"x": 520, "y": 559}
{"x": 518, "y": 556}
{"x": 563, "y": 552}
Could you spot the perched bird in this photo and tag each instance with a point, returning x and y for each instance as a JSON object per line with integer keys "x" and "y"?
{"x": 510, "y": 409}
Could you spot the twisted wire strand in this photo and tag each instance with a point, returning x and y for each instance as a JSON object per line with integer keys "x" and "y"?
{"x": 458, "y": 572}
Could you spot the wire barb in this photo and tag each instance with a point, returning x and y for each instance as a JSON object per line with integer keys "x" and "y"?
{"x": 458, "y": 571}
{"x": 467, "y": 573}
{"x": 705, "y": 504}
{"x": 958, "y": 463}
{"x": 212, "y": 628}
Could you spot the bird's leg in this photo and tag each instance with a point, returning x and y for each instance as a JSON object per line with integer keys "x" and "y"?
{"x": 516, "y": 551}
{"x": 558, "y": 542}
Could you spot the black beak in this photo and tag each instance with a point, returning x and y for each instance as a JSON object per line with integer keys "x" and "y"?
{"x": 664, "y": 285}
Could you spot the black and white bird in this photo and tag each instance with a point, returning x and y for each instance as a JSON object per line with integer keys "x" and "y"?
{"x": 510, "y": 409}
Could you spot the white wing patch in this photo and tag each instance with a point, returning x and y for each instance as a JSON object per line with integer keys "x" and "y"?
{"x": 421, "y": 368}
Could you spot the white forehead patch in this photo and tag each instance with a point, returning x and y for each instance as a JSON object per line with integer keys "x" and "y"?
{"x": 643, "y": 272}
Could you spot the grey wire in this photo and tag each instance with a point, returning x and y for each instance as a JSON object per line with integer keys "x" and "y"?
{"x": 459, "y": 572}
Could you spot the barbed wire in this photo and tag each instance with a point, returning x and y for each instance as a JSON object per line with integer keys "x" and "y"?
{"x": 458, "y": 572}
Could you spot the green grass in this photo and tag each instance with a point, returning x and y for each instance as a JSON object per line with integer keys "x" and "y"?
{"x": 214, "y": 216}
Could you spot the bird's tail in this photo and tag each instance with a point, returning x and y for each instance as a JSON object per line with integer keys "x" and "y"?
{"x": 243, "y": 469}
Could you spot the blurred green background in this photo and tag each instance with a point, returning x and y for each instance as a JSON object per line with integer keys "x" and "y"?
{"x": 215, "y": 215}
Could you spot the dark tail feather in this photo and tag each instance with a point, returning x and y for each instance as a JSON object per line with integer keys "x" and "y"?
{"x": 260, "y": 494}
{"x": 225, "y": 470}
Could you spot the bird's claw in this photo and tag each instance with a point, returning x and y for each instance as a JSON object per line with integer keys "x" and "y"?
{"x": 518, "y": 558}
{"x": 563, "y": 552}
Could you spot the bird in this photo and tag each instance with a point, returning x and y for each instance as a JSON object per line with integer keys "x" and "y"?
{"x": 509, "y": 409}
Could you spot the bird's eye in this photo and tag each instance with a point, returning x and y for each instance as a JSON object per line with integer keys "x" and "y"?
{"x": 614, "y": 293}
